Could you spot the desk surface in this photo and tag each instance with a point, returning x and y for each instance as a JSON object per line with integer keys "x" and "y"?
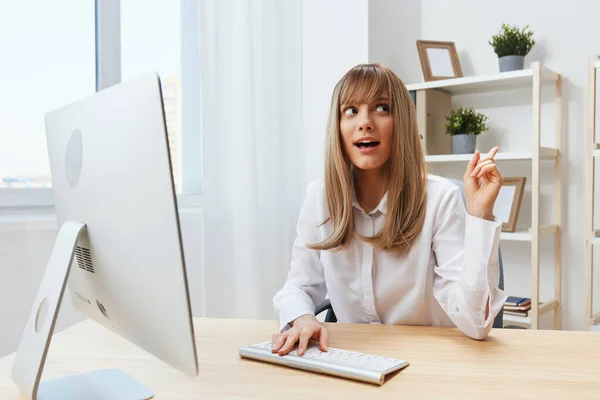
{"x": 445, "y": 363}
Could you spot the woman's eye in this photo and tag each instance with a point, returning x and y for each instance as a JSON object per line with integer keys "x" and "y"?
{"x": 350, "y": 111}
{"x": 383, "y": 108}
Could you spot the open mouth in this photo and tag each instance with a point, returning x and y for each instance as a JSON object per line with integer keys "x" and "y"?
{"x": 366, "y": 144}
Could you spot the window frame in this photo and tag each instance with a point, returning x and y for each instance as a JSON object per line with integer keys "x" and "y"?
{"x": 107, "y": 20}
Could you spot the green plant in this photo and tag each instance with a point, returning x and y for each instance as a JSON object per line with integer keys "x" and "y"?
{"x": 465, "y": 121}
{"x": 512, "y": 41}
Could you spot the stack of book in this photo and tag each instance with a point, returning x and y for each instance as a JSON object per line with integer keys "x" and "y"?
{"x": 517, "y": 306}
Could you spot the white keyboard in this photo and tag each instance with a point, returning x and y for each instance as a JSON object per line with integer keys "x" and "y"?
{"x": 343, "y": 363}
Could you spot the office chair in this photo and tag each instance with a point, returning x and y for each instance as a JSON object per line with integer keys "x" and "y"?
{"x": 498, "y": 321}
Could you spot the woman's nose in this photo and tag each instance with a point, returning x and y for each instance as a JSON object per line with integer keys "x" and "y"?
{"x": 365, "y": 124}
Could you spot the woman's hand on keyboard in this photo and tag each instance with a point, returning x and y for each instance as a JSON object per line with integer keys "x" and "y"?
{"x": 303, "y": 329}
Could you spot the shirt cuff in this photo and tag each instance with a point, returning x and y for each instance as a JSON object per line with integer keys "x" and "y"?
{"x": 291, "y": 308}
{"x": 482, "y": 269}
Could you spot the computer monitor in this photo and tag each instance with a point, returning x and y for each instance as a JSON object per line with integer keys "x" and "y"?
{"x": 119, "y": 243}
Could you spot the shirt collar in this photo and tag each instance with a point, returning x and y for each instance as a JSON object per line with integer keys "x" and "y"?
{"x": 381, "y": 207}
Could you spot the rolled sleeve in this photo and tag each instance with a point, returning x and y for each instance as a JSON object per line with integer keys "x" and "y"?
{"x": 291, "y": 304}
{"x": 482, "y": 239}
{"x": 467, "y": 272}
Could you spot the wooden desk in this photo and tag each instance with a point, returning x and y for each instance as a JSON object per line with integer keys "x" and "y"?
{"x": 445, "y": 364}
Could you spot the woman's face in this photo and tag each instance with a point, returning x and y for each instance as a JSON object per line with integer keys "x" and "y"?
{"x": 367, "y": 132}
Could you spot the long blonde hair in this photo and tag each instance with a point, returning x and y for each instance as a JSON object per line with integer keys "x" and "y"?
{"x": 407, "y": 171}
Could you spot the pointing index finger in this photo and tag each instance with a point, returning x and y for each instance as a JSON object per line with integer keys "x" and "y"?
{"x": 473, "y": 163}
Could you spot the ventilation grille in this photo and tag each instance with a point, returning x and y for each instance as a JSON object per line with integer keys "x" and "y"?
{"x": 84, "y": 259}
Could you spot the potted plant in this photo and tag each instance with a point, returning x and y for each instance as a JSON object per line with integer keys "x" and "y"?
{"x": 511, "y": 45}
{"x": 464, "y": 124}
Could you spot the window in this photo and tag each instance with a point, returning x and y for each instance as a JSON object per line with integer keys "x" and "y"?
{"x": 153, "y": 39}
{"x": 53, "y": 62}
{"x": 48, "y": 61}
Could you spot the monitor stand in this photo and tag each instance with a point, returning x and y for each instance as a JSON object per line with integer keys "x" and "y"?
{"x": 35, "y": 340}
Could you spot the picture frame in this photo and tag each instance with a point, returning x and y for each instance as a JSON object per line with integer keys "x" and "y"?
{"x": 508, "y": 203}
{"x": 439, "y": 60}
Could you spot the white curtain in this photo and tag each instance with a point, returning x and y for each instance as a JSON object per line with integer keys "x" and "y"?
{"x": 253, "y": 163}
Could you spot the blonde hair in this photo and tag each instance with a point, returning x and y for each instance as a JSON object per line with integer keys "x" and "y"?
{"x": 407, "y": 171}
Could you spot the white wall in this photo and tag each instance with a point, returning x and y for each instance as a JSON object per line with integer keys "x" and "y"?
{"x": 394, "y": 28}
{"x": 334, "y": 39}
{"x": 566, "y": 35}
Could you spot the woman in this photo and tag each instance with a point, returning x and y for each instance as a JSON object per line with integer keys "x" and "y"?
{"x": 386, "y": 242}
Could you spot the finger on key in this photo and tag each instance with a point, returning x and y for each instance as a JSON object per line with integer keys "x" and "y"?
{"x": 324, "y": 339}
{"x": 304, "y": 338}
{"x": 290, "y": 342}
{"x": 279, "y": 340}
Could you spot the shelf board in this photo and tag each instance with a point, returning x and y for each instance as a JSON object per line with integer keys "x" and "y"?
{"x": 595, "y": 240}
{"x": 545, "y": 152}
{"x": 597, "y": 65}
{"x": 524, "y": 235}
{"x": 484, "y": 83}
{"x": 596, "y": 153}
{"x": 548, "y": 306}
{"x": 516, "y": 319}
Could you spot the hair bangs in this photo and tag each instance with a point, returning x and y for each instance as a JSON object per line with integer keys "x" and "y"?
{"x": 365, "y": 84}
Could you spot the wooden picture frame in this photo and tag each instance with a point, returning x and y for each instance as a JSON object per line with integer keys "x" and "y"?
{"x": 508, "y": 203}
{"x": 439, "y": 60}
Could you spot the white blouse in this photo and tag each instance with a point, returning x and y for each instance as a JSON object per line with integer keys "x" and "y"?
{"x": 444, "y": 280}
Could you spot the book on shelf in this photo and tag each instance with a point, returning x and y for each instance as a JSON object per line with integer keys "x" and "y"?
{"x": 517, "y": 301}
{"x": 517, "y": 313}
{"x": 518, "y": 306}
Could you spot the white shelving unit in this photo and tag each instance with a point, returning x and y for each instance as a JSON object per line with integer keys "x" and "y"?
{"x": 591, "y": 235}
{"x": 487, "y": 83}
{"x": 534, "y": 78}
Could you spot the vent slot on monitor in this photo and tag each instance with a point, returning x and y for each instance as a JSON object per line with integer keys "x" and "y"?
{"x": 84, "y": 259}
